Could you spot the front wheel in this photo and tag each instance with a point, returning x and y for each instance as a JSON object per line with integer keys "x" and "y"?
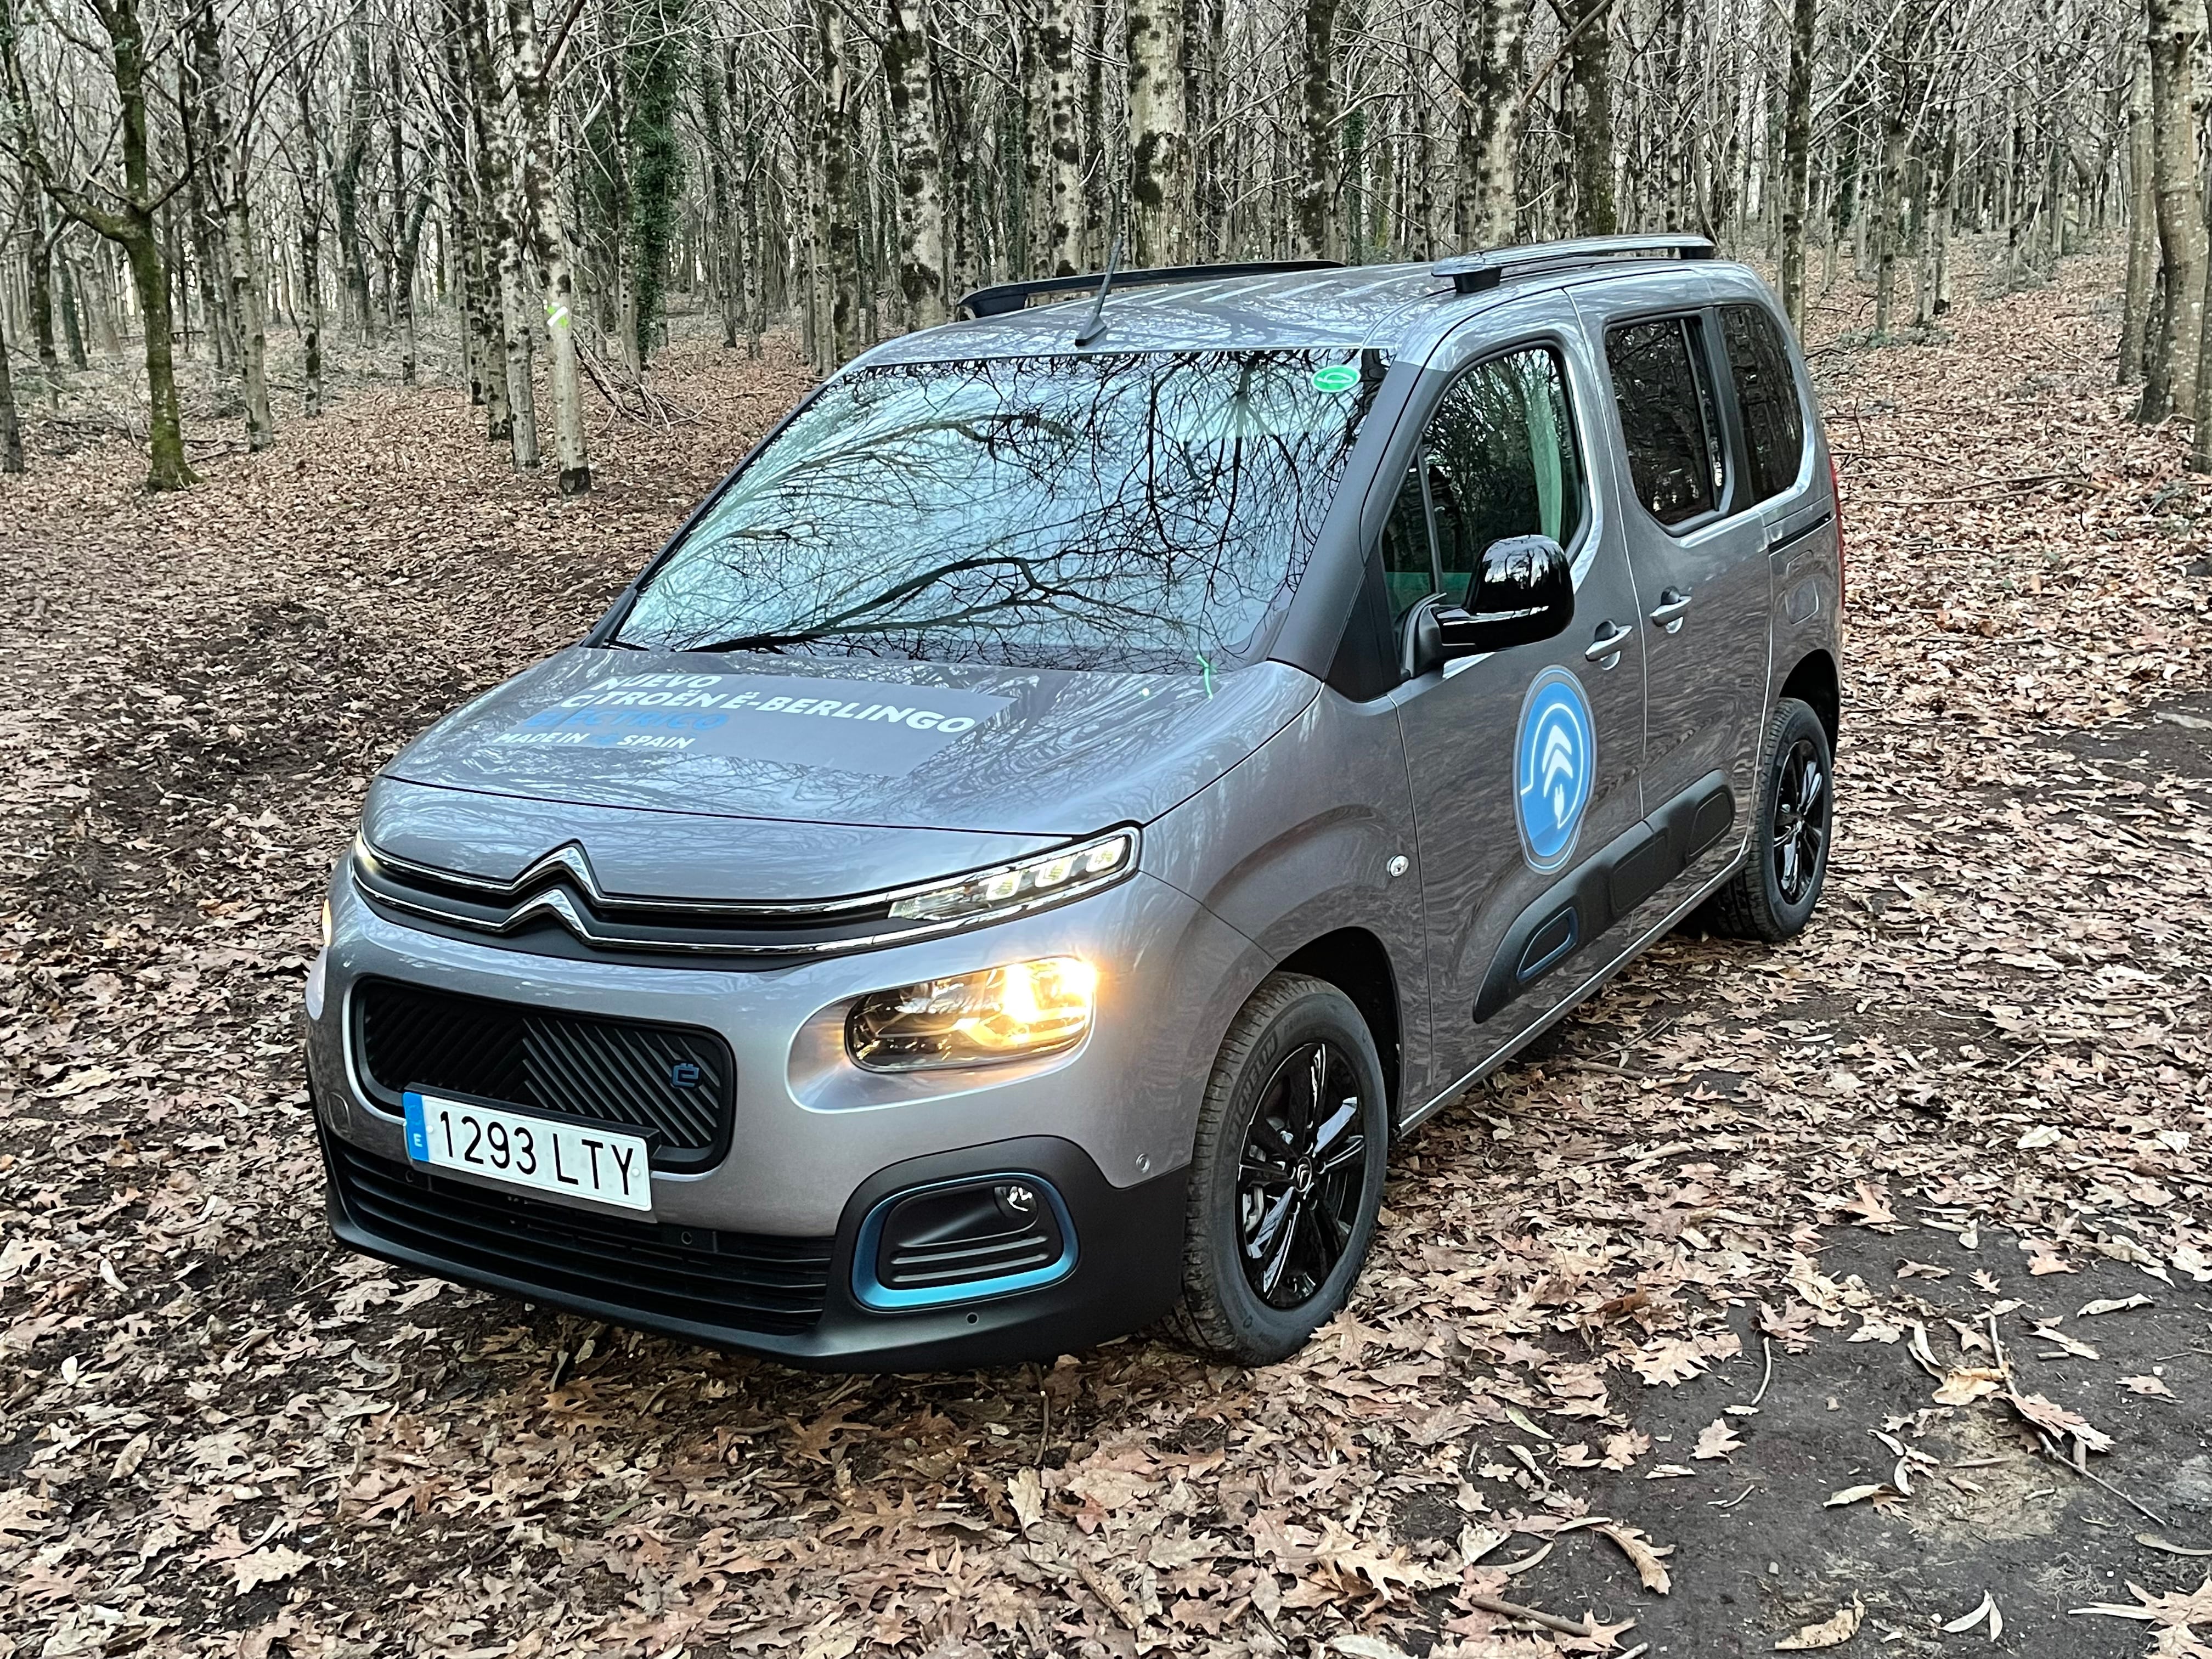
{"x": 1773, "y": 896}
{"x": 1286, "y": 1177}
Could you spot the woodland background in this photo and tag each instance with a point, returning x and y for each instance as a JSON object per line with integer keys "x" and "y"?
{"x": 1855, "y": 1286}
{"x": 543, "y": 197}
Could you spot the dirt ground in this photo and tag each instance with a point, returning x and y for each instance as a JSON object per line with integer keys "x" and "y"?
{"x": 1758, "y": 1297}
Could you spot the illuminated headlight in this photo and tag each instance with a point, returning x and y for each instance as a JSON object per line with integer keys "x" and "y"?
{"x": 1029, "y": 885}
{"x": 328, "y": 929}
{"x": 1014, "y": 1012}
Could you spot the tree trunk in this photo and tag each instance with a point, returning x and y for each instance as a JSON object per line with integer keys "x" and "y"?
{"x": 512, "y": 417}
{"x": 38, "y": 263}
{"x": 534, "y": 114}
{"x": 1099, "y": 171}
{"x": 309, "y": 183}
{"x": 73, "y": 319}
{"x": 717, "y": 92}
{"x": 11, "y": 427}
{"x": 1313, "y": 219}
{"x": 1159, "y": 146}
{"x": 345, "y": 182}
{"x": 1494, "y": 36}
{"x": 836, "y": 229}
{"x": 1064, "y": 184}
{"x": 2143, "y": 230}
{"x": 908, "y": 73}
{"x": 229, "y": 167}
{"x": 2170, "y": 384}
{"x": 1588, "y": 107}
{"x": 654, "y": 67}
{"x": 1889, "y": 208}
{"x": 1797, "y": 155}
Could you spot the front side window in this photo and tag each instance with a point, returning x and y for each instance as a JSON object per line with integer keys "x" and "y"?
{"x": 1501, "y": 461}
{"x": 1766, "y": 392}
{"x": 1666, "y": 418}
{"x": 1133, "y": 511}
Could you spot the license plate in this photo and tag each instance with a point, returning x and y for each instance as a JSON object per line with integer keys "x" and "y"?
{"x": 572, "y": 1160}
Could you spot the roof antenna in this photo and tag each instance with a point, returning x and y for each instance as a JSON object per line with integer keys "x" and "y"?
{"x": 1095, "y": 323}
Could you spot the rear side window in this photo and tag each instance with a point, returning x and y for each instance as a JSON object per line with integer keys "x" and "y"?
{"x": 1500, "y": 461}
{"x": 1767, "y": 392}
{"x": 1673, "y": 442}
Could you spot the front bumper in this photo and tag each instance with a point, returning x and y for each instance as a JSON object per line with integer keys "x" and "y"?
{"x": 816, "y": 1143}
{"x": 792, "y": 1299}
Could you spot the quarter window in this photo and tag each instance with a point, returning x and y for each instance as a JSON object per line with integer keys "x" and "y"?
{"x": 1409, "y": 565}
{"x": 1500, "y": 461}
{"x": 1766, "y": 392}
{"x": 1675, "y": 455}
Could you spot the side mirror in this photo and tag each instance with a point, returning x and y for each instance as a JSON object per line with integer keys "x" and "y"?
{"x": 1524, "y": 592}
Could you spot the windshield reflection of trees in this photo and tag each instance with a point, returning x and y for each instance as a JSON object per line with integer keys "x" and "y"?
{"x": 1132, "y": 512}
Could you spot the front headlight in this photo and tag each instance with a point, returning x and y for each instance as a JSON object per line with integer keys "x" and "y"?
{"x": 1028, "y": 885}
{"x": 1014, "y": 1012}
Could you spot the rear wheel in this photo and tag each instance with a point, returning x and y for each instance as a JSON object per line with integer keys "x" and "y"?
{"x": 1773, "y": 896}
{"x": 1288, "y": 1173}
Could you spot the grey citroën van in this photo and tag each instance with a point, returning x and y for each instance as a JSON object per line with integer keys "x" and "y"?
{"x": 1089, "y": 780}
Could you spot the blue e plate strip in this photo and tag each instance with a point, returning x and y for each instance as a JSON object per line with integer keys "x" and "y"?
{"x": 418, "y": 1130}
{"x": 872, "y": 1293}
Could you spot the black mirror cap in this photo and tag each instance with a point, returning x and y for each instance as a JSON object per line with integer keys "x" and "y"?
{"x": 1524, "y": 592}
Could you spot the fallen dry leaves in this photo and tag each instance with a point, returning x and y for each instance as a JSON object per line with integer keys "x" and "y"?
{"x": 220, "y": 1437}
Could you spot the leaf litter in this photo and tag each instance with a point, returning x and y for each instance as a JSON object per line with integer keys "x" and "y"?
{"x": 220, "y": 1436}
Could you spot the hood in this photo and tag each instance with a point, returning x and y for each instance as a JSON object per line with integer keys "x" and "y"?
{"x": 1045, "y": 753}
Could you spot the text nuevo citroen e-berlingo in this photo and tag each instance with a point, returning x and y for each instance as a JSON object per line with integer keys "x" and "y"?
{"x": 1095, "y": 775}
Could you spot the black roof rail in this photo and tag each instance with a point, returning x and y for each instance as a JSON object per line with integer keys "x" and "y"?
{"x": 1473, "y": 273}
{"x": 1003, "y": 297}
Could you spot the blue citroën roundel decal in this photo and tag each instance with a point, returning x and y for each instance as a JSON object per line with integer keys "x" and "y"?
{"x": 1555, "y": 763}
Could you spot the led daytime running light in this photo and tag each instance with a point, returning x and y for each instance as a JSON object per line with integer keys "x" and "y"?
{"x": 1048, "y": 879}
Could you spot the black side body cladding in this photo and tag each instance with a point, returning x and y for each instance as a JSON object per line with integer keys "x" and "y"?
{"x": 1601, "y": 889}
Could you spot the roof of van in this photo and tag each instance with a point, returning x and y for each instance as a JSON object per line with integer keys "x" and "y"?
{"x": 1353, "y": 305}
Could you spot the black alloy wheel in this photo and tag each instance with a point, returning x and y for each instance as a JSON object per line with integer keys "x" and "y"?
{"x": 1801, "y": 821}
{"x": 1285, "y": 1174}
{"x": 1774, "y": 892}
{"x": 1301, "y": 1175}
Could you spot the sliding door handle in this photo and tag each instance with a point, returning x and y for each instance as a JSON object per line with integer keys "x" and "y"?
{"x": 1672, "y": 603}
{"x": 1606, "y": 647}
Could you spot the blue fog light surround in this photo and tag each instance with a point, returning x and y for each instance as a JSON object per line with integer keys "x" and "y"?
{"x": 869, "y": 1293}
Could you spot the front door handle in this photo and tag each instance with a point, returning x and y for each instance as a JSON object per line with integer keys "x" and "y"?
{"x": 1606, "y": 647}
{"x": 1672, "y": 602}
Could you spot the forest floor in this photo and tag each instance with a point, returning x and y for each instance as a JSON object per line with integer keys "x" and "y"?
{"x": 1730, "y": 1311}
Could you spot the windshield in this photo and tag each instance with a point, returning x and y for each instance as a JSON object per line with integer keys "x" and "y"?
{"x": 1135, "y": 511}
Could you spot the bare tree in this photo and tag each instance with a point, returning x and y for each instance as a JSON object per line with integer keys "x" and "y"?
{"x": 123, "y": 211}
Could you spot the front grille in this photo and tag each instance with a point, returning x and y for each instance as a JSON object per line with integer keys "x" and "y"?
{"x": 740, "y": 1281}
{"x": 672, "y": 1083}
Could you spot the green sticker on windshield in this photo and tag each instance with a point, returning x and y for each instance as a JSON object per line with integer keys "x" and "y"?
{"x": 1336, "y": 377}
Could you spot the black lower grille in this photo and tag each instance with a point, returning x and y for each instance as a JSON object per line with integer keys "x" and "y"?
{"x": 740, "y": 1281}
{"x": 672, "y": 1084}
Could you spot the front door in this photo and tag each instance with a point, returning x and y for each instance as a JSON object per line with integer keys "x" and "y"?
{"x": 1524, "y": 762}
{"x": 1698, "y": 553}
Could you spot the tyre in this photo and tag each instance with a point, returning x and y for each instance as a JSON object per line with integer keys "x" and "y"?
{"x": 1287, "y": 1174}
{"x": 1773, "y": 896}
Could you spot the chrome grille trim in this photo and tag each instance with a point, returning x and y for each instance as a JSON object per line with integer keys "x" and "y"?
{"x": 562, "y": 885}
